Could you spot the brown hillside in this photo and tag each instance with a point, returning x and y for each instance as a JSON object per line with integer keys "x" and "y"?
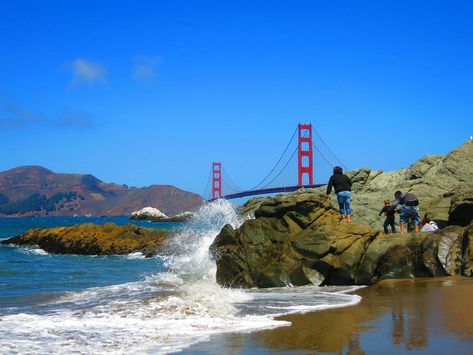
{"x": 34, "y": 190}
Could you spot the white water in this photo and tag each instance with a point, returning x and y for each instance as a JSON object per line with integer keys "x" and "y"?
{"x": 164, "y": 313}
{"x": 32, "y": 250}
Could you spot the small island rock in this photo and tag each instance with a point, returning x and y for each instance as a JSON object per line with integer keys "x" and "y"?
{"x": 148, "y": 213}
{"x": 154, "y": 215}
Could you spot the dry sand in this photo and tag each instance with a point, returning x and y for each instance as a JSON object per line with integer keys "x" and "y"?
{"x": 422, "y": 316}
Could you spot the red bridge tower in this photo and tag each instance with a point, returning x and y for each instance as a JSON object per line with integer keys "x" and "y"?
{"x": 216, "y": 180}
{"x": 305, "y": 156}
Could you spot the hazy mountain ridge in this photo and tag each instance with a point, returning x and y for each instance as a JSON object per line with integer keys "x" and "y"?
{"x": 35, "y": 190}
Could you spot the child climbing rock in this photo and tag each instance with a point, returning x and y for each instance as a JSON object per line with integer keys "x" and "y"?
{"x": 389, "y": 213}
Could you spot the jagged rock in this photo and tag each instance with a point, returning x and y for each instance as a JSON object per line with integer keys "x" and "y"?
{"x": 92, "y": 239}
{"x": 297, "y": 239}
{"x": 434, "y": 179}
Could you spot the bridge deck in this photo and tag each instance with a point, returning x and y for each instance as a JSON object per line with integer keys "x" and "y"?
{"x": 268, "y": 191}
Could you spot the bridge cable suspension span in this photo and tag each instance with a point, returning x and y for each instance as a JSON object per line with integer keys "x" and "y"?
{"x": 208, "y": 185}
{"x": 287, "y": 163}
{"x": 277, "y": 163}
{"x": 230, "y": 182}
{"x": 283, "y": 168}
{"x": 323, "y": 156}
{"x": 330, "y": 151}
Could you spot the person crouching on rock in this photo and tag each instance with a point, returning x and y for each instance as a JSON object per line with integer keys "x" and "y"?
{"x": 342, "y": 185}
{"x": 409, "y": 210}
{"x": 389, "y": 213}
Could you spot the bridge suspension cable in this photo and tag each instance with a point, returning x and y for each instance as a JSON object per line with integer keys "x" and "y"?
{"x": 323, "y": 156}
{"x": 335, "y": 157}
{"x": 207, "y": 191}
{"x": 280, "y": 171}
{"x": 277, "y": 163}
{"x": 304, "y": 135}
{"x": 230, "y": 182}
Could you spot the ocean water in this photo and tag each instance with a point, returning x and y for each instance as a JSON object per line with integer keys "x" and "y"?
{"x": 128, "y": 304}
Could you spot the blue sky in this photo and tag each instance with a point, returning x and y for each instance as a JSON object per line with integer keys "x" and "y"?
{"x": 151, "y": 92}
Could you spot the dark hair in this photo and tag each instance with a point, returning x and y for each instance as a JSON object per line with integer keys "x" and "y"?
{"x": 337, "y": 170}
{"x": 397, "y": 193}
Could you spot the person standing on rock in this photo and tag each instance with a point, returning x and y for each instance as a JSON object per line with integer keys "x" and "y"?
{"x": 389, "y": 213}
{"x": 409, "y": 210}
{"x": 342, "y": 185}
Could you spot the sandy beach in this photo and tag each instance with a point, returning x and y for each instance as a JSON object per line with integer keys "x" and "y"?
{"x": 431, "y": 316}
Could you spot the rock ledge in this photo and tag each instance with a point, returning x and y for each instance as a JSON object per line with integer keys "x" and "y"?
{"x": 92, "y": 239}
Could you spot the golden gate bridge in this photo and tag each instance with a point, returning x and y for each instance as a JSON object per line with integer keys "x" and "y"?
{"x": 309, "y": 145}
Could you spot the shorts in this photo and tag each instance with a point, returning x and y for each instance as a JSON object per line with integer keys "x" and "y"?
{"x": 410, "y": 213}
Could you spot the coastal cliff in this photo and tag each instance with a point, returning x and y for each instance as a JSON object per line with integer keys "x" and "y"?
{"x": 297, "y": 239}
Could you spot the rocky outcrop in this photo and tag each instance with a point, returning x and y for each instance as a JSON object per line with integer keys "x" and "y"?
{"x": 434, "y": 179}
{"x": 92, "y": 239}
{"x": 297, "y": 239}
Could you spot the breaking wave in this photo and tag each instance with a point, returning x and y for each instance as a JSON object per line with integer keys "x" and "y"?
{"x": 166, "y": 312}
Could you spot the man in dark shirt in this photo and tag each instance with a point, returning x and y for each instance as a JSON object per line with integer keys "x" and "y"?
{"x": 409, "y": 210}
{"x": 342, "y": 185}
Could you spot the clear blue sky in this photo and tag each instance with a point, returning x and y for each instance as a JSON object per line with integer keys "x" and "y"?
{"x": 151, "y": 92}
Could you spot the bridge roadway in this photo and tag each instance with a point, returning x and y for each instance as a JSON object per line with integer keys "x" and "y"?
{"x": 268, "y": 191}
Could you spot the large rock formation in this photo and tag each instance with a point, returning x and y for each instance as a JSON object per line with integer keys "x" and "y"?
{"x": 297, "y": 239}
{"x": 435, "y": 179}
{"x": 93, "y": 239}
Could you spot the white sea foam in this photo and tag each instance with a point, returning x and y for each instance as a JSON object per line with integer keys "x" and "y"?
{"x": 166, "y": 312}
{"x": 136, "y": 255}
{"x": 32, "y": 250}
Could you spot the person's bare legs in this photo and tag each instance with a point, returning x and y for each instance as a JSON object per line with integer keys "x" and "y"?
{"x": 342, "y": 218}
{"x": 403, "y": 227}
{"x": 417, "y": 228}
{"x": 348, "y": 218}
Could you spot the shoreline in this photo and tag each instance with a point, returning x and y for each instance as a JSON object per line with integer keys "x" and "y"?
{"x": 432, "y": 315}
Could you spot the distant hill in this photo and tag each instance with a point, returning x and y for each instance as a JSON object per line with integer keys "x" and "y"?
{"x": 34, "y": 190}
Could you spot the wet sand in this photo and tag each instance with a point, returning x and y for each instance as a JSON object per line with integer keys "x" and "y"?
{"x": 422, "y": 316}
